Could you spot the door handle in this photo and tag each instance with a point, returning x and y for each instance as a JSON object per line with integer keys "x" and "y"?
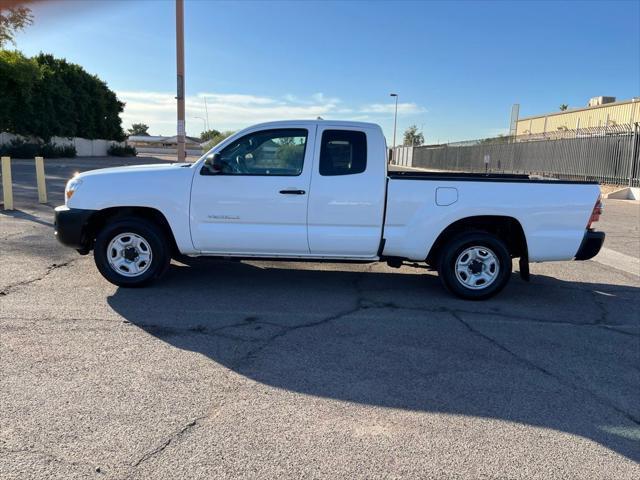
{"x": 292, "y": 192}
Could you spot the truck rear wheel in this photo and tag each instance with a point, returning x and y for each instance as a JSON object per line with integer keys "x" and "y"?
{"x": 131, "y": 252}
{"x": 475, "y": 265}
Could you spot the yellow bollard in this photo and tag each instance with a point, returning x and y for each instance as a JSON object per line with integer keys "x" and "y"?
{"x": 7, "y": 185}
{"x": 42, "y": 185}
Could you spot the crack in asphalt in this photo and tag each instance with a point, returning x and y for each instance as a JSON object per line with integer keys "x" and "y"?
{"x": 535, "y": 366}
{"x": 250, "y": 355}
{"x": 616, "y": 328}
{"x": 286, "y": 329}
{"x": 51, "y": 268}
{"x": 171, "y": 439}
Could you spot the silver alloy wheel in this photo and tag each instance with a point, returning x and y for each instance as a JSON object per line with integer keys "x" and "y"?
{"x": 129, "y": 254}
{"x": 477, "y": 267}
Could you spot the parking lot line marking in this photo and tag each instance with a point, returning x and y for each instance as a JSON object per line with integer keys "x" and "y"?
{"x": 618, "y": 260}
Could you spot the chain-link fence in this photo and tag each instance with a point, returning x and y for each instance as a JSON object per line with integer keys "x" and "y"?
{"x": 606, "y": 154}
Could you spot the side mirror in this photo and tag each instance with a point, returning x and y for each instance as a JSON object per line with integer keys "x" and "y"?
{"x": 212, "y": 162}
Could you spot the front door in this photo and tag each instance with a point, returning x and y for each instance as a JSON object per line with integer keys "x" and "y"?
{"x": 254, "y": 199}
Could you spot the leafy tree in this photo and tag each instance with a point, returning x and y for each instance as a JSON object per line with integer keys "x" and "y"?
{"x": 209, "y": 135}
{"x": 45, "y": 96}
{"x": 564, "y": 107}
{"x": 412, "y": 137}
{"x": 217, "y": 139}
{"x": 140, "y": 129}
{"x": 18, "y": 76}
{"x": 12, "y": 20}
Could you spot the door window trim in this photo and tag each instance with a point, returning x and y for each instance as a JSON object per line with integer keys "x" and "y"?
{"x": 205, "y": 171}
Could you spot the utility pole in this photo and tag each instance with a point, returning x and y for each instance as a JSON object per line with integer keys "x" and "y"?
{"x": 395, "y": 123}
{"x": 180, "y": 71}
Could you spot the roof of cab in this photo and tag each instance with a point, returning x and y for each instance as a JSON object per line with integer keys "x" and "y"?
{"x": 337, "y": 123}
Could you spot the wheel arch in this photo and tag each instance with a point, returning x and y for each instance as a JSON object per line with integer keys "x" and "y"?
{"x": 102, "y": 217}
{"x": 509, "y": 229}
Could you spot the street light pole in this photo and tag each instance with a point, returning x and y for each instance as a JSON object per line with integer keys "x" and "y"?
{"x": 395, "y": 123}
{"x": 180, "y": 78}
{"x": 206, "y": 111}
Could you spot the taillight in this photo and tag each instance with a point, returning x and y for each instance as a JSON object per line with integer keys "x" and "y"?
{"x": 596, "y": 212}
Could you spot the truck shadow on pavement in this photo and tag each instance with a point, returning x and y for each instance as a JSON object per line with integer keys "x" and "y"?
{"x": 25, "y": 216}
{"x": 554, "y": 354}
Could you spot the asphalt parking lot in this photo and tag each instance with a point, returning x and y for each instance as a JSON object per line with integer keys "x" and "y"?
{"x": 272, "y": 370}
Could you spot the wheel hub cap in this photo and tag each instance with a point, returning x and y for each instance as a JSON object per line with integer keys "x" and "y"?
{"x": 477, "y": 267}
{"x": 129, "y": 254}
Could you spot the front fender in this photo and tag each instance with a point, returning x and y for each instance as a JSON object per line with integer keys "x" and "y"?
{"x": 166, "y": 190}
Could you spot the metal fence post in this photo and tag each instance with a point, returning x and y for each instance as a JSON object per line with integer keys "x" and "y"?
{"x": 7, "y": 184}
{"x": 634, "y": 153}
{"x": 40, "y": 180}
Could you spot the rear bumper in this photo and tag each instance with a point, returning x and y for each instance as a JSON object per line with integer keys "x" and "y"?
{"x": 71, "y": 226}
{"x": 591, "y": 245}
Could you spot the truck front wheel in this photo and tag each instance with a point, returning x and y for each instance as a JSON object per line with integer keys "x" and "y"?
{"x": 131, "y": 252}
{"x": 475, "y": 265}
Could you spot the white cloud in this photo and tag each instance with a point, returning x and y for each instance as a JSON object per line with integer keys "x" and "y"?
{"x": 320, "y": 98}
{"x": 234, "y": 111}
{"x": 403, "y": 108}
{"x": 236, "y": 98}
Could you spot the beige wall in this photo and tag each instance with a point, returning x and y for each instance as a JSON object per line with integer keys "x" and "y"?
{"x": 617, "y": 113}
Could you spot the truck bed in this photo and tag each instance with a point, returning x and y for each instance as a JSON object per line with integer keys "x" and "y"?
{"x": 553, "y": 214}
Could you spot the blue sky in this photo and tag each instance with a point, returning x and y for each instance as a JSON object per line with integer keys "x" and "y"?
{"x": 457, "y": 66}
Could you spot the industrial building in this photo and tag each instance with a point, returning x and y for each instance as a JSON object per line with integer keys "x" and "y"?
{"x": 600, "y": 112}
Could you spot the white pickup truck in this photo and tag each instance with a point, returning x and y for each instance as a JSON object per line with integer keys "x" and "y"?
{"x": 321, "y": 190}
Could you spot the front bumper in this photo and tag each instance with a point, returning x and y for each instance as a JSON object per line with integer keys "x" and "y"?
{"x": 591, "y": 245}
{"x": 71, "y": 227}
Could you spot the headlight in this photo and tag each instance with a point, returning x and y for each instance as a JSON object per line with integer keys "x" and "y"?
{"x": 72, "y": 186}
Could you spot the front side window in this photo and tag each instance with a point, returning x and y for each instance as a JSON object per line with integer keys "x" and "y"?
{"x": 343, "y": 152}
{"x": 268, "y": 152}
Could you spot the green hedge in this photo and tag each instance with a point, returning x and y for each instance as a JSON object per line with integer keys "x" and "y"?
{"x": 22, "y": 149}
{"x": 122, "y": 151}
{"x": 45, "y": 97}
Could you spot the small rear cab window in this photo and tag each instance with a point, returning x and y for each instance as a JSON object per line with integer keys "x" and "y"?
{"x": 343, "y": 152}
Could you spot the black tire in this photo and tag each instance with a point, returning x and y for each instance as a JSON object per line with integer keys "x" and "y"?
{"x": 154, "y": 238}
{"x": 489, "y": 244}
